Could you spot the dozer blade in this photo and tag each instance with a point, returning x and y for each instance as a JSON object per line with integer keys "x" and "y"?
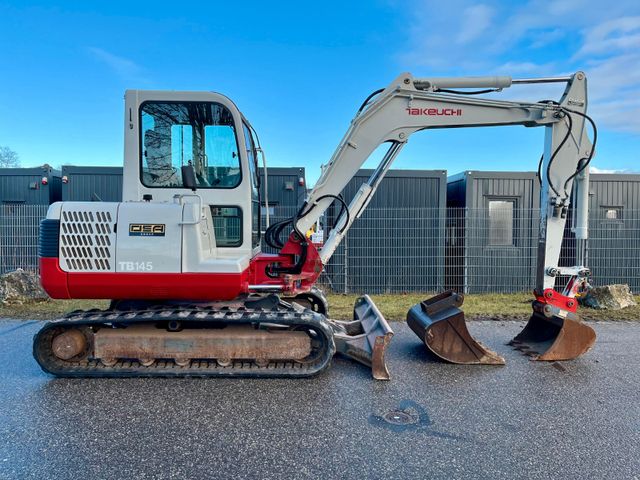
{"x": 440, "y": 324}
{"x": 554, "y": 338}
{"x": 365, "y": 339}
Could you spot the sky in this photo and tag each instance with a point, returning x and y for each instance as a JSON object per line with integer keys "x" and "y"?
{"x": 300, "y": 70}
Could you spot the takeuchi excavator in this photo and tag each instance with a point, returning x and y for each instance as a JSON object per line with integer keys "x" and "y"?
{"x": 180, "y": 258}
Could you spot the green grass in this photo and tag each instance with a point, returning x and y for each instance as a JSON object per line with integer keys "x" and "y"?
{"x": 393, "y": 307}
{"x": 479, "y": 306}
{"x": 50, "y": 309}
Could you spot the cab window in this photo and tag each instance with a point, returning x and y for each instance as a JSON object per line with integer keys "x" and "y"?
{"x": 255, "y": 185}
{"x": 200, "y": 134}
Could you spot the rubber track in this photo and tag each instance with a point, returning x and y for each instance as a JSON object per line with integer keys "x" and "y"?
{"x": 189, "y": 316}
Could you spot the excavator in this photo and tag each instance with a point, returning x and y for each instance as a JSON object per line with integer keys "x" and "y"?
{"x": 180, "y": 257}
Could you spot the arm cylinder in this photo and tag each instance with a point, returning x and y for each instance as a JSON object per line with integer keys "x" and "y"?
{"x": 582, "y": 205}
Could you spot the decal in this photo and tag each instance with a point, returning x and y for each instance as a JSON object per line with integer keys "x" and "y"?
{"x": 146, "y": 229}
{"x": 135, "y": 266}
{"x": 449, "y": 112}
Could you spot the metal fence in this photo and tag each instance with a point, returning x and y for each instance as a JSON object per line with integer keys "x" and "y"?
{"x": 473, "y": 251}
{"x": 422, "y": 249}
{"x": 19, "y": 236}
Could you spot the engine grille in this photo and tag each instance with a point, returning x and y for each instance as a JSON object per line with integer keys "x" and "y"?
{"x": 88, "y": 237}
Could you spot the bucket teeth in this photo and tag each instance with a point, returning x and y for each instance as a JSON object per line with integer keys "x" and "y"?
{"x": 554, "y": 338}
{"x": 440, "y": 324}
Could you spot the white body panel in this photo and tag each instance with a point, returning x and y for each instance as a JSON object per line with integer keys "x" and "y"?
{"x": 139, "y": 248}
{"x": 98, "y": 237}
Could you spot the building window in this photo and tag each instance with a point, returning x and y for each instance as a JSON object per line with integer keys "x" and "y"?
{"x": 612, "y": 213}
{"x": 501, "y": 222}
{"x": 271, "y": 208}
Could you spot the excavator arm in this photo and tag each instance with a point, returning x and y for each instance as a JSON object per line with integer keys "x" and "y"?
{"x": 411, "y": 104}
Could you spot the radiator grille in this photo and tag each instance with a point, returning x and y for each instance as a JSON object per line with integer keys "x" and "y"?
{"x": 87, "y": 237}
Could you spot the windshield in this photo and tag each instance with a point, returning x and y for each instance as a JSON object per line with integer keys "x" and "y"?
{"x": 174, "y": 134}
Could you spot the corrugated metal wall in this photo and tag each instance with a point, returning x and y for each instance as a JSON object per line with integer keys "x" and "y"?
{"x": 24, "y": 185}
{"x": 92, "y": 184}
{"x": 614, "y": 243}
{"x": 285, "y": 190}
{"x": 473, "y": 261}
{"x": 285, "y": 195}
{"x": 386, "y": 249}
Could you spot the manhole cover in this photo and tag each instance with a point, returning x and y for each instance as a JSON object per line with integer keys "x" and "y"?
{"x": 399, "y": 417}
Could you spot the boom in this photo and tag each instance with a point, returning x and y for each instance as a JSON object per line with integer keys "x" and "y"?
{"x": 410, "y": 104}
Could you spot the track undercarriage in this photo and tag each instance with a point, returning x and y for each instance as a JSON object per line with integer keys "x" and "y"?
{"x": 247, "y": 337}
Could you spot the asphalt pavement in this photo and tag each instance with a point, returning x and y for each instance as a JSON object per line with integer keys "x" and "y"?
{"x": 574, "y": 420}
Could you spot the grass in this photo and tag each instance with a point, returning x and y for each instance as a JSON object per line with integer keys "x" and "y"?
{"x": 393, "y": 307}
{"x": 50, "y": 309}
{"x": 479, "y": 306}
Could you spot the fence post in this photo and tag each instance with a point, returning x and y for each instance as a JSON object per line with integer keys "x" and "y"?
{"x": 465, "y": 260}
{"x": 346, "y": 263}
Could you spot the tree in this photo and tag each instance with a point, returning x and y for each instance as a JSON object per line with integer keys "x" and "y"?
{"x": 8, "y": 158}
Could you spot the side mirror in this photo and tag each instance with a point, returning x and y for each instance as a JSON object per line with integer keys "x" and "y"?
{"x": 189, "y": 177}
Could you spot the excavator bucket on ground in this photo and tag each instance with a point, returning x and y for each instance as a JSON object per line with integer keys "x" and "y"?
{"x": 365, "y": 339}
{"x": 440, "y": 324}
{"x": 550, "y": 337}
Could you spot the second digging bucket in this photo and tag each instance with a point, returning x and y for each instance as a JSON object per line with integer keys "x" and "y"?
{"x": 440, "y": 324}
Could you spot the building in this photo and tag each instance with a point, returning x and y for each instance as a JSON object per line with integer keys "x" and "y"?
{"x": 492, "y": 230}
{"x": 91, "y": 184}
{"x": 493, "y": 227}
{"x": 613, "y": 248}
{"x": 284, "y": 193}
{"x": 25, "y": 195}
{"x": 30, "y": 186}
{"x": 286, "y": 187}
{"x": 397, "y": 245}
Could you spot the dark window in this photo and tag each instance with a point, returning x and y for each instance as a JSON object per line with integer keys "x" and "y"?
{"x": 255, "y": 185}
{"x": 175, "y": 134}
{"x": 611, "y": 214}
{"x": 227, "y": 225}
{"x": 501, "y": 216}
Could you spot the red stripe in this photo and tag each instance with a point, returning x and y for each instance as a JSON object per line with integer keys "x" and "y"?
{"x": 141, "y": 286}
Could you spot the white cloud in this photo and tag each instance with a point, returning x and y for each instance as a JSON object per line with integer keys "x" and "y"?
{"x": 617, "y": 34}
{"x": 476, "y": 19}
{"x": 123, "y": 67}
{"x": 604, "y": 170}
{"x": 501, "y": 37}
{"x": 548, "y": 37}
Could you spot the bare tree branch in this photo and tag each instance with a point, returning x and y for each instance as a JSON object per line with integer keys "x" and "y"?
{"x": 8, "y": 158}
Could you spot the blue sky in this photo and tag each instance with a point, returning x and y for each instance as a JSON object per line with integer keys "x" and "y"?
{"x": 299, "y": 71}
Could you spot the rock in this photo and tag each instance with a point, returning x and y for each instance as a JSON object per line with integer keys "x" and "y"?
{"x": 609, "y": 297}
{"x": 20, "y": 287}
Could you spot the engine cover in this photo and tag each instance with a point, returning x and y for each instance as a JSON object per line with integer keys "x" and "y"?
{"x": 120, "y": 237}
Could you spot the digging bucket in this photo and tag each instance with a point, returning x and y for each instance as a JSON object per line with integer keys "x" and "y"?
{"x": 550, "y": 337}
{"x": 440, "y": 324}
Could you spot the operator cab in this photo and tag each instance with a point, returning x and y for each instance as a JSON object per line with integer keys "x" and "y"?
{"x": 167, "y": 130}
